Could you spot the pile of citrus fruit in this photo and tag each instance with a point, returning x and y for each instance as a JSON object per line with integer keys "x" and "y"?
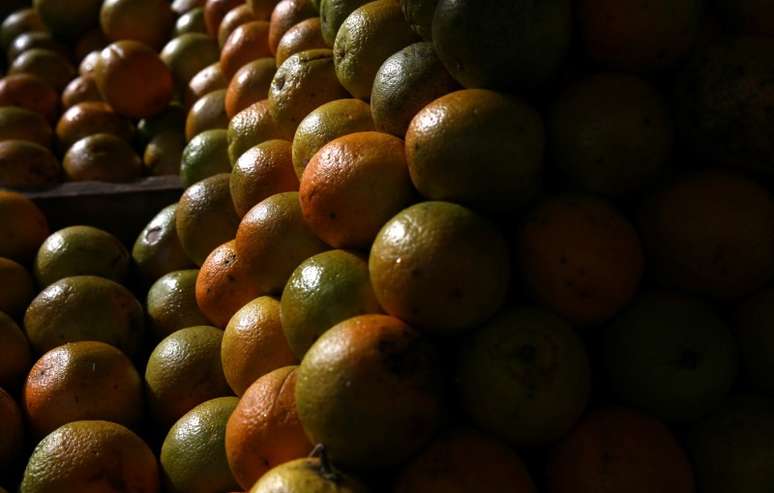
{"x": 424, "y": 246}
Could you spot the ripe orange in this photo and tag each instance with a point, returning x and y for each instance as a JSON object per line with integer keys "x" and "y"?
{"x": 254, "y": 344}
{"x": 30, "y": 92}
{"x": 91, "y": 456}
{"x": 15, "y": 359}
{"x": 236, "y": 17}
{"x": 273, "y": 239}
{"x": 183, "y": 371}
{"x": 205, "y": 217}
{"x": 12, "y": 439}
{"x": 82, "y": 380}
{"x": 248, "y": 42}
{"x": 286, "y": 14}
{"x": 353, "y": 185}
{"x": 306, "y": 35}
{"x": 23, "y": 227}
{"x": 18, "y": 290}
{"x": 148, "y": 21}
{"x": 102, "y": 157}
{"x": 133, "y": 79}
{"x": 463, "y": 460}
{"x": 261, "y": 172}
{"x": 208, "y": 113}
{"x": 264, "y": 430}
{"x": 580, "y": 257}
{"x": 25, "y": 165}
{"x": 224, "y": 285}
{"x": 215, "y": 11}
{"x": 90, "y": 118}
{"x": 440, "y": 267}
{"x": 208, "y": 79}
{"x": 648, "y": 458}
{"x": 262, "y": 9}
{"x": 364, "y": 424}
{"x": 249, "y": 85}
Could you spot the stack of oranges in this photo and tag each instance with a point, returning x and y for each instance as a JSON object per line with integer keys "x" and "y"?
{"x": 435, "y": 246}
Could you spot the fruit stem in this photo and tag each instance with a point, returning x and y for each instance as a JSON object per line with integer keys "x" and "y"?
{"x": 326, "y": 469}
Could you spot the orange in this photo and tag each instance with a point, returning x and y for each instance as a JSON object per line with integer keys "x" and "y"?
{"x": 188, "y": 54}
{"x": 353, "y": 185}
{"x": 306, "y": 35}
{"x": 182, "y": 6}
{"x": 440, "y": 267}
{"x": 215, "y": 11}
{"x": 208, "y": 113}
{"x": 264, "y": 430}
{"x": 249, "y": 85}
{"x": 82, "y": 380}
{"x": 133, "y": 79}
{"x": 224, "y": 285}
{"x": 419, "y": 15}
{"x": 193, "y": 455}
{"x": 524, "y": 376}
{"x": 205, "y": 217}
{"x": 79, "y": 90}
{"x": 147, "y": 21}
{"x": 102, "y": 157}
{"x": 611, "y": 134}
{"x": 88, "y": 66}
{"x": 476, "y": 125}
{"x": 365, "y": 40}
{"x": 30, "y": 92}
{"x": 628, "y": 35}
{"x": 262, "y": 9}
{"x": 190, "y": 22}
{"x": 50, "y": 66}
{"x": 332, "y": 15}
{"x": 254, "y": 344}
{"x": 302, "y": 83}
{"x": 326, "y": 123}
{"x": 22, "y": 124}
{"x": 90, "y": 118}
{"x": 273, "y": 239}
{"x": 16, "y": 360}
{"x": 324, "y": 290}
{"x": 405, "y": 83}
{"x": 12, "y": 439}
{"x": 68, "y": 20}
{"x": 262, "y": 171}
{"x": 35, "y": 39}
{"x": 236, "y": 17}
{"x": 310, "y": 475}
{"x": 580, "y": 257}
{"x": 157, "y": 249}
{"x": 208, "y": 79}
{"x": 502, "y": 45}
{"x": 710, "y": 233}
{"x": 19, "y": 22}
{"x": 183, "y": 371}
{"x": 361, "y": 423}
{"x": 463, "y": 460}
{"x": 23, "y": 227}
{"x": 648, "y": 458}
{"x": 56, "y": 315}
{"x": 24, "y": 165}
{"x": 286, "y": 14}
{"x": 81, "y": 250}
{"x": 91, "y": 456}
{"x": 252, "y": 126}
{"x": 171, "y": 303}
{"x": 246, "y": 43}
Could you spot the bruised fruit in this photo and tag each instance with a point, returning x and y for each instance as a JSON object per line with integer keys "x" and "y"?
{"x": 157, "y": 249}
